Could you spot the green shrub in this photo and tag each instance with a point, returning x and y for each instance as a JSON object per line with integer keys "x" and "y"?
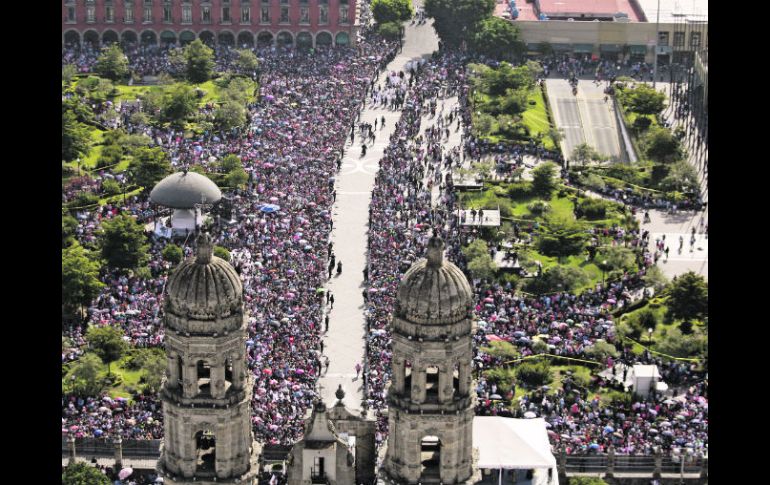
{"x": 641, "y": 123}
{"x": 83, "y": 199}
{"x": 221, "y": 252}
{"x": 557, "y": 278}
{"x": 594, "y": 181}
{"x": 592, "y": 208}
{"x": 520, "y": 190}
{"x": 173, "y": 253}
{"x": 534, "y": 374}
{"x": 111, "y": 187}
{"x": 390, "y": 30}
{"x": 539, "y": 207}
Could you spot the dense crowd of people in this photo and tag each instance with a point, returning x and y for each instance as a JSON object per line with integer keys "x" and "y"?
{"x": 308, "y": 108}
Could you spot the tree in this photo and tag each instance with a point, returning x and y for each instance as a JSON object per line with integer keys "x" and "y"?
{"x": 82, "y": 111}
{"x": 83, "y": 379}
{"x": 83, "y": 474}
{"x": 179, "y": 104}
{"x": 153, "y": 367}
{"x": 389, "y": 30}
{"x": 222, "y": 252}
{"x": 562, "y": 237}
{"x": 68, "y": 227}
{"x": 688, "y": 297}
{"x": 110, "y": 155}
{"x": 645, "y": 100}
{"x": 230, "y": 162}
{"x": 502, "y": 350}
{"x": 80, "y": 282}
{"x": 75, "y": 137}
{"x": 617, "y": 257}
{"x": 677, "y": 344}
{"x": 96, "y": 89}
{"x": 173, "y": 253}
{"x": 149, "y": 166}
{"x": 585, "y": 153}
{"x": 236, "y": 178}
{"x": 534, "y": 374}
{"x": 655, "y": 278}
{"x": 482, "y": 267}
{"x": 455, "y": 19}
{"x": 497, "y": 38}
{"x": 681, "y": 176}
{"x": 107, "y": 342}
{"x": 123, "y": 242}
{"x": 558, "y": 278}
{"x": 199, "y": 59}
{"x": 391, "y": 10}
{"x": 478, "y": 247}
{"x": 246, "y": 61}
{"x": 661, "y": 146}
{"x": 229, "y": 115}
{"x": 68, "y": 71}
{"x": 544, "y": 179}
{"x": 112, "y": 63}
{"x": 601, "y": 350}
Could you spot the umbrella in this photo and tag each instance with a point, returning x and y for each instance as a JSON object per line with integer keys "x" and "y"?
{"x": 125, "y": 473}
{"x": 269, "y": 208}
{"x": 495, "y": 396}
{"x": 493, "y": 338}
{"x": 609, "y": 429}
{"x": 530, "y": 415}
{"x": 320, "y": 290}
{"x": 267, "y": 372}
{"x": 594, "y": 446}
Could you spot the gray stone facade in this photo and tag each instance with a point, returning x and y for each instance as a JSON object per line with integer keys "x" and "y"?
{"x": 430, "y": 399}
{"x": 207, "y": 391}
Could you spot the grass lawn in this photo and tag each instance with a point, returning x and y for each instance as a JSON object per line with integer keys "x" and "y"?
{"x": 130, "y": 379}
{"x": 130, "y": 93}
{"x": 536, "y": 118}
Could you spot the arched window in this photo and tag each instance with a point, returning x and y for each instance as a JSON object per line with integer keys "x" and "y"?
{"x": 304, "y": 40}
{"x": 285, "y": 39}
{"x": 205, "y": 448}
{"x": 149, "y": 38}
{"x": 430, "y": 458}
{"x": 204, "y": 377}
{"x": 186, "y": 37}
{"x": 431, "y": 384}
{"x": 323, "y": 39}
{"x": 71, "y": 37}
{"x": 207, "y": 38}
{"x": 245, "y": 39}
{"x": 342, "y": 38}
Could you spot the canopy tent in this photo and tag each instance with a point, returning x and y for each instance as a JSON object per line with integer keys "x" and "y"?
{"x": 512, "y": 443}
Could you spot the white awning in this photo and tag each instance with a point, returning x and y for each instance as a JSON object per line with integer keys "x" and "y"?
{"x": 512, "y": 443}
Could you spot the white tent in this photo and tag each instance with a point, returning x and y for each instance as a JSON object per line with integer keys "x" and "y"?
{"x": 508, "y": 443}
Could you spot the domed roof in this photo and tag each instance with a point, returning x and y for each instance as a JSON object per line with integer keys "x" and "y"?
{"x": 204, "y": 288}
{"x": 434, "y": 291}
{"x": 184, "y": 190}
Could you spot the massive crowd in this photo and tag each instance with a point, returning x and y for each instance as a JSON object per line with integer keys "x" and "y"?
{"x": 310, "y": 101}
{"x": 309, "y": 108}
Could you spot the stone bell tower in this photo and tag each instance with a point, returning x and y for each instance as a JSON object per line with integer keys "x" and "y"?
{"x": 207, "y": 391}
{"x": 430, "y": 399}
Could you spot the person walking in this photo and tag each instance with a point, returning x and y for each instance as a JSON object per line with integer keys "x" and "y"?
{"x": 358, "y": 369}
{"x": 339, "y": 268}
{"x": 326, "y": 323}
{"x": 331, "y": 300}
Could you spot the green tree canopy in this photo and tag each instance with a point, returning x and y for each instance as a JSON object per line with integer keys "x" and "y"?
{"x": 83, "y": 378}
{"x": 562, "y": 237}
{"x": 455, "y": 19}
{"x": 75, "y": 137}
{"x": 661, "y": 146}
{"x": 229, "y": 115}
{"x": 230, "y": 162}
{"x": 477, "y": 247}
{"x": 558, "y": 278}
{"x": 107, "y": 342}
{"x": 199, "y": 60}
{"x": 112, "y": 63}
{"x": 236, "y": 178}
{"x": 82, "y": 111}
{"x": 246, "y": 61}
{"x": 545, "y": 179}
{"x": 222, "y": 252}
{"x": 173, "y": 253}
{"x": 681, "y": 176}
{"x": 677, "y": 344}
{"x": 389, "y": 30}
{"x": 688, "y": 297}
{"x": 83, "y": 474}
{"x": 482, "y": 267}
{"x": 68, "y": 227}
{"x": 149, "y": 166}
{"x": 497, "y": 38}
{"x": 655, "y": 278}
{"x": 179, "y": 104}
{"x": 585, "y": 153}
{"x": 391, "y": 10}
{"x": 534, "y": 374}
{"x": 601, "y": 350}
{"x": 501, "y": 350}
{"x": 617, "y": 257}
{"x": 645, "y": 100}
{"x": 123, "y": 242}
{"x": 68, "y": 71}
{"x": 96, "y": 89}
{"x": 80, "y": 282}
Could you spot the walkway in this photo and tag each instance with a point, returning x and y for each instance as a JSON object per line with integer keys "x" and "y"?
{"x": 344, "y": 342}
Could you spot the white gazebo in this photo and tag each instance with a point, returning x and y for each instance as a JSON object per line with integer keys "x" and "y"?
{"x": 645, "y": 378}
{"x": 186, "y": 192}
{"x": 515, "y": 444}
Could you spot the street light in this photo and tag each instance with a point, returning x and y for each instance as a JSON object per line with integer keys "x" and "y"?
{"x": 649, "y": 336}
{"x": 604, "y": 270}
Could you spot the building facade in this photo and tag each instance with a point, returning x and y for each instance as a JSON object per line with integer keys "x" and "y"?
{"x": 208, "y": 389}
{"x": 431, "y": 398}
{"x": 301, "y": 23}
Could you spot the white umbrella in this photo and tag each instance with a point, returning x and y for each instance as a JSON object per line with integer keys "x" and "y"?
{"x": 125, "y": 473}
{"x": 530, "y": 415}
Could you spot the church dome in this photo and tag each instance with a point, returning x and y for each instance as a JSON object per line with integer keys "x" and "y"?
{"x": 434, "y": 291}
{"x": 184, "y": 190}
{"x": 206, "y": 287}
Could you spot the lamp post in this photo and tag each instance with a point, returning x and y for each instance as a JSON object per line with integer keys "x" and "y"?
{"x": 604, "y": 271}
{"x": 649, "y": 337}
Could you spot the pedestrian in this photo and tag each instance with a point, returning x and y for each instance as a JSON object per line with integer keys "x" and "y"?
{"x": 322, "y": 346}
{"x": 358, "y": 369}
{"x": 331, "y": 300}
{"x": 339, "y": 268}
{"x": 326, "y": 322}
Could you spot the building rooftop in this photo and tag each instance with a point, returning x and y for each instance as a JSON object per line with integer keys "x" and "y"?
{"x": 673, "y": 11}
{"x": 572, "y": 9}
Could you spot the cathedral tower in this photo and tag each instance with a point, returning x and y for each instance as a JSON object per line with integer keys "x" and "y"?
{"x": 430, "y": 400}
{"x": 207, "y": 391}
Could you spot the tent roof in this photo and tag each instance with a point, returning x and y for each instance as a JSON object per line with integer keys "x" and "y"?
{"x": 646, "y": 370}
{"x": 512, "y": 443}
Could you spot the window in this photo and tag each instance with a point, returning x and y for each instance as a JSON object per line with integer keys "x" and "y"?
{"x": 148, "y": 2}
{"x": 662, "y": 38}
{"x": 90, "y": 14}
{"x": 129, "y": 18}
{"x": 89, "y": 2}
{"x": 284, "y": 2}
{"x": 148, "y": 14}
{"x": 71, "y": 15}
{"x": 284, "y": 15}
{"x": 695, "y": 40}
{"x": 678, "y": 39}
{"x": 323, "y": 2}
{"x": 323, "y": 15}
{"x": 245, "y": 15}
{"x": 167, "y": 15}
{"x": 265, "y": 17}
{"x": 206, "y": 15}
{"x": 186, "y": 14}
{"x": 304, "y": 15}
{"x": 226, "y": 15}
{"x": 343, "y": 15}
{"x": 109, "y": 14}
{"x": 343, "y": 2}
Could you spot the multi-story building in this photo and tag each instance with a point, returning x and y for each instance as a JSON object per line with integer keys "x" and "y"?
{"x": 304, "y": 23}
